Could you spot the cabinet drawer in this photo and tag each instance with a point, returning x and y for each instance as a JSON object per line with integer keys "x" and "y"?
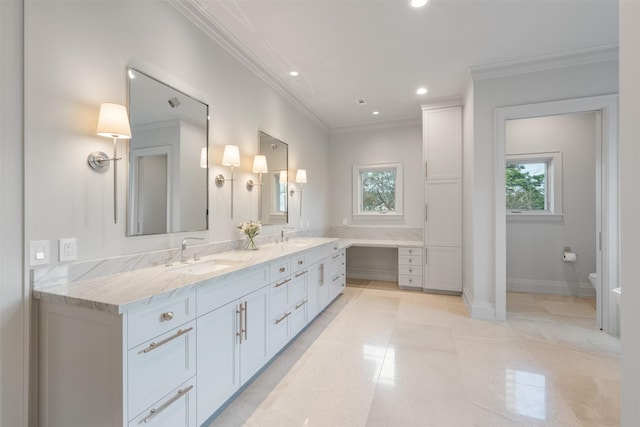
{"x": 280, "y": 331}
{"x": 222, "y": 292}
{"x": 410, "y": 251}
{"x": 160, "y": 317}
{"x": 176, "y": 409}
{"x": 410, "y": 270}
{"x": 160, "y": 365}
{"x": 279, "y": 295}
{"x": 410, "y": 281}
{"x": 410, "y": 260}
{"x": 298, "y": 262}
{"x": 299, "y": 317}
{"x": 279, "y": 269}
{"x": 298, "y": 286}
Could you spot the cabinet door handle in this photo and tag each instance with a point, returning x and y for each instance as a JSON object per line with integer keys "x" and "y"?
{"x": 155, "y": 345}
{"x": 168, "y": 315}
{"x": 333, "y": 279}
{"x": 165, "y": 405}
{"x": 245, "y": 324}
{"x": 239, "y": 313}
{"x": 282, "y": 269}
{"x": 283, "y": 317}
{"x": 426, "y": 212}
{"x": 302, "y": 273}
{"x": 300, "y": 262}
{"x": 303, "y": 302}
{"x": 277, "y": 285}
{"x": 335, "y": 256}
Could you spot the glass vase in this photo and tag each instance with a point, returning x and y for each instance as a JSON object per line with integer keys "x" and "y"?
{"x": 251, "y": 244}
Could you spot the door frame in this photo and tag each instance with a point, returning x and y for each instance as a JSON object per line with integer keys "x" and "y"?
{"x": 607, "y": 105}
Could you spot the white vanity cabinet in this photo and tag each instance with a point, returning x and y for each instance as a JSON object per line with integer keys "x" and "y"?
{"x": 232, "y": 339}
{"x": 337, "y": 273}
{"x": 410, "y": 268}
{"x": 104, "y": 369}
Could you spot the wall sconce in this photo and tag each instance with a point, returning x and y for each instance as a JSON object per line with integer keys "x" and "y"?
{"x": 113, "y": 122}
{"x": 301, "y": 178}
{"x": 231, "y": 157}
{"x": 204, "y": 158}
{"x": 259, "y": 167}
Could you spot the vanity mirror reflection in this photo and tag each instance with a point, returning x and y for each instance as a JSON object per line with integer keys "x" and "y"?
{"x": 168, "y": 170}
{"x": 274, "y": 203}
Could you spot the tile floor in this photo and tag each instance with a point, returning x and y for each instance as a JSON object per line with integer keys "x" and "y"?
{"x": 383, "y": 357}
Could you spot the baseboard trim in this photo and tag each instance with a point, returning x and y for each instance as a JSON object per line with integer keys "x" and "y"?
{"x": 580, "y": 290}
{"x": 372, "y": 274}
{"x": 478, "y": 309}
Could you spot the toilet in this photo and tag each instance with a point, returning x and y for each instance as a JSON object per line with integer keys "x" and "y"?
{"x": 593, "y": 278}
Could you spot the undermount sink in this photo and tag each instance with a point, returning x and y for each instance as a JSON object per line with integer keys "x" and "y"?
{"x": 201, "y": 268}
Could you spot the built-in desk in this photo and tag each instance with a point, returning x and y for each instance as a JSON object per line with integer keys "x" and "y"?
{"x": 410, "y": 258}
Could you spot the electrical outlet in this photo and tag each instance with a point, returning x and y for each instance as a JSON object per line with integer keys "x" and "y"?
{"x": 67, "y": 249}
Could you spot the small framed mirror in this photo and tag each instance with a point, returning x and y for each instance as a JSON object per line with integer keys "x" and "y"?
{"x": 168, "y": 168}
{"x": 274, "y": 201}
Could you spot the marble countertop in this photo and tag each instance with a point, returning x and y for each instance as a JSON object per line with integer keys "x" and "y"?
{"x": 123, "y": 292}
{"x": 371, "y": 243}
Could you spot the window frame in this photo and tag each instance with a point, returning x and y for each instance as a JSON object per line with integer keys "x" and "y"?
{"x": 358, "y": 169}
{"x": 553, "y": 184}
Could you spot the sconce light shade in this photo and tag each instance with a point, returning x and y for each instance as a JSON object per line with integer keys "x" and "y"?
{"x": 283, "y": 177}
{"x": 204, "y": 160}
{"x": 113, "y": 121}
{"x": 301, "y": 176}
{"x": 231, "y": 156}
{"x": 260, "y": 164}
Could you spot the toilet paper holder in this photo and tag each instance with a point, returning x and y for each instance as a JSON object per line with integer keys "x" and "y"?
{"x": 567, "y": 255}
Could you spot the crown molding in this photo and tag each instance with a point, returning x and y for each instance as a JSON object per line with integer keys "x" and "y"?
{"x": 547, "y": 62}
{"x": 216, "y": 31}
{"x": 378, "y": 124}
{"x": 451, "y": 101}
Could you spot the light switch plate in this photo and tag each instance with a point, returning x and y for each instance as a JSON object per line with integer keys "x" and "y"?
{"x": 38, "y": 252}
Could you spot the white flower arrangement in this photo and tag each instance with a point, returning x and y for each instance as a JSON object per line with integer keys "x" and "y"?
{"x": 251, "y": 228}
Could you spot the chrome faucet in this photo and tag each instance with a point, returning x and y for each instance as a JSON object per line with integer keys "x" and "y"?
{"x": 184, "y": 246}
{"x": 282, "y": 233}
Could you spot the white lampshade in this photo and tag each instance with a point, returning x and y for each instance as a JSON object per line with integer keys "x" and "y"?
{"x": 113, "y": 121}
{"x": 260, "y": 164}
{"x": 301, "y": 176}
{"x": 231, "y": 156}
{"x": 204, "y": 161}
{"x": 283, "y": 177}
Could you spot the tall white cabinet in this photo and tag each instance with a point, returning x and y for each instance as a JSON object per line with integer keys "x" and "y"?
{"x": 442, "y": 155}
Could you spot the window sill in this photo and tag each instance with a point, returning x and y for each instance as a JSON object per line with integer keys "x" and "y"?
{"x": 379, "y": 216}
{"x": 531, "y": 217}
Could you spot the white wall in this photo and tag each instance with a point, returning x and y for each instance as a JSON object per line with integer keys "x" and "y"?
{"x": 534, "y": 248}
{"x": 381, "y": 145}
{"x": 630, "y": 209}
{"x": 565, "y": 83}
{"x": 76, "y": 58}
{"x": 14, "y": 302}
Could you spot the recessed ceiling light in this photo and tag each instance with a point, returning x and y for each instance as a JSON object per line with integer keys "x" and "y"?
{"x": 375, "y": 113}
{"x": 418, "y": 3}
{"x": 293, "y": 73}
{"x": 422, "y": 90}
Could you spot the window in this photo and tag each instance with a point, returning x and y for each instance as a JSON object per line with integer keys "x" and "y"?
{"x": 534, "y": 184}
{"x": 377, "y": 190}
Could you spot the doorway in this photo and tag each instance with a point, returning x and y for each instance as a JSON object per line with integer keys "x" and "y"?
{"x": 607, "y": 238}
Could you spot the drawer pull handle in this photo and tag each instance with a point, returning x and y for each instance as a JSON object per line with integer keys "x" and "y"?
{"x": 282, "y": 269}
{"x": 155, "y": 345}
{"x": 303, "y": 302}
{"x": 411, "y": 270}
{"x": 335, "y": 256}
{"x": 168, "y": 315}
{"x": 165, "y": 405}
{"x": 300, "y": 262}
{"x": 283, "y": 317}
{"x": 301, "y": 273}
{"x": 282, "y": 283}
{"x": 333, "y": 279}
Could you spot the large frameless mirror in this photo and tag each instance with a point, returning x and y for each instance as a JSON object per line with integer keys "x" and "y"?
{"x": 167, "y": 159}
{"x": 274, "y": 203}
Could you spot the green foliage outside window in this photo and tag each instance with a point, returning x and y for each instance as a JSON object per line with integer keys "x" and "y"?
{"x": 379, "y": 191}
{"x": 525, "y": 191}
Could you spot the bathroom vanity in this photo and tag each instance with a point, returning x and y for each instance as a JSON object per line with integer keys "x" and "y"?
{"x": 169, "y": 345}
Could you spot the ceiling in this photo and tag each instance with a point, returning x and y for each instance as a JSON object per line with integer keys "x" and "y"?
{"x": 383, "y": 50}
